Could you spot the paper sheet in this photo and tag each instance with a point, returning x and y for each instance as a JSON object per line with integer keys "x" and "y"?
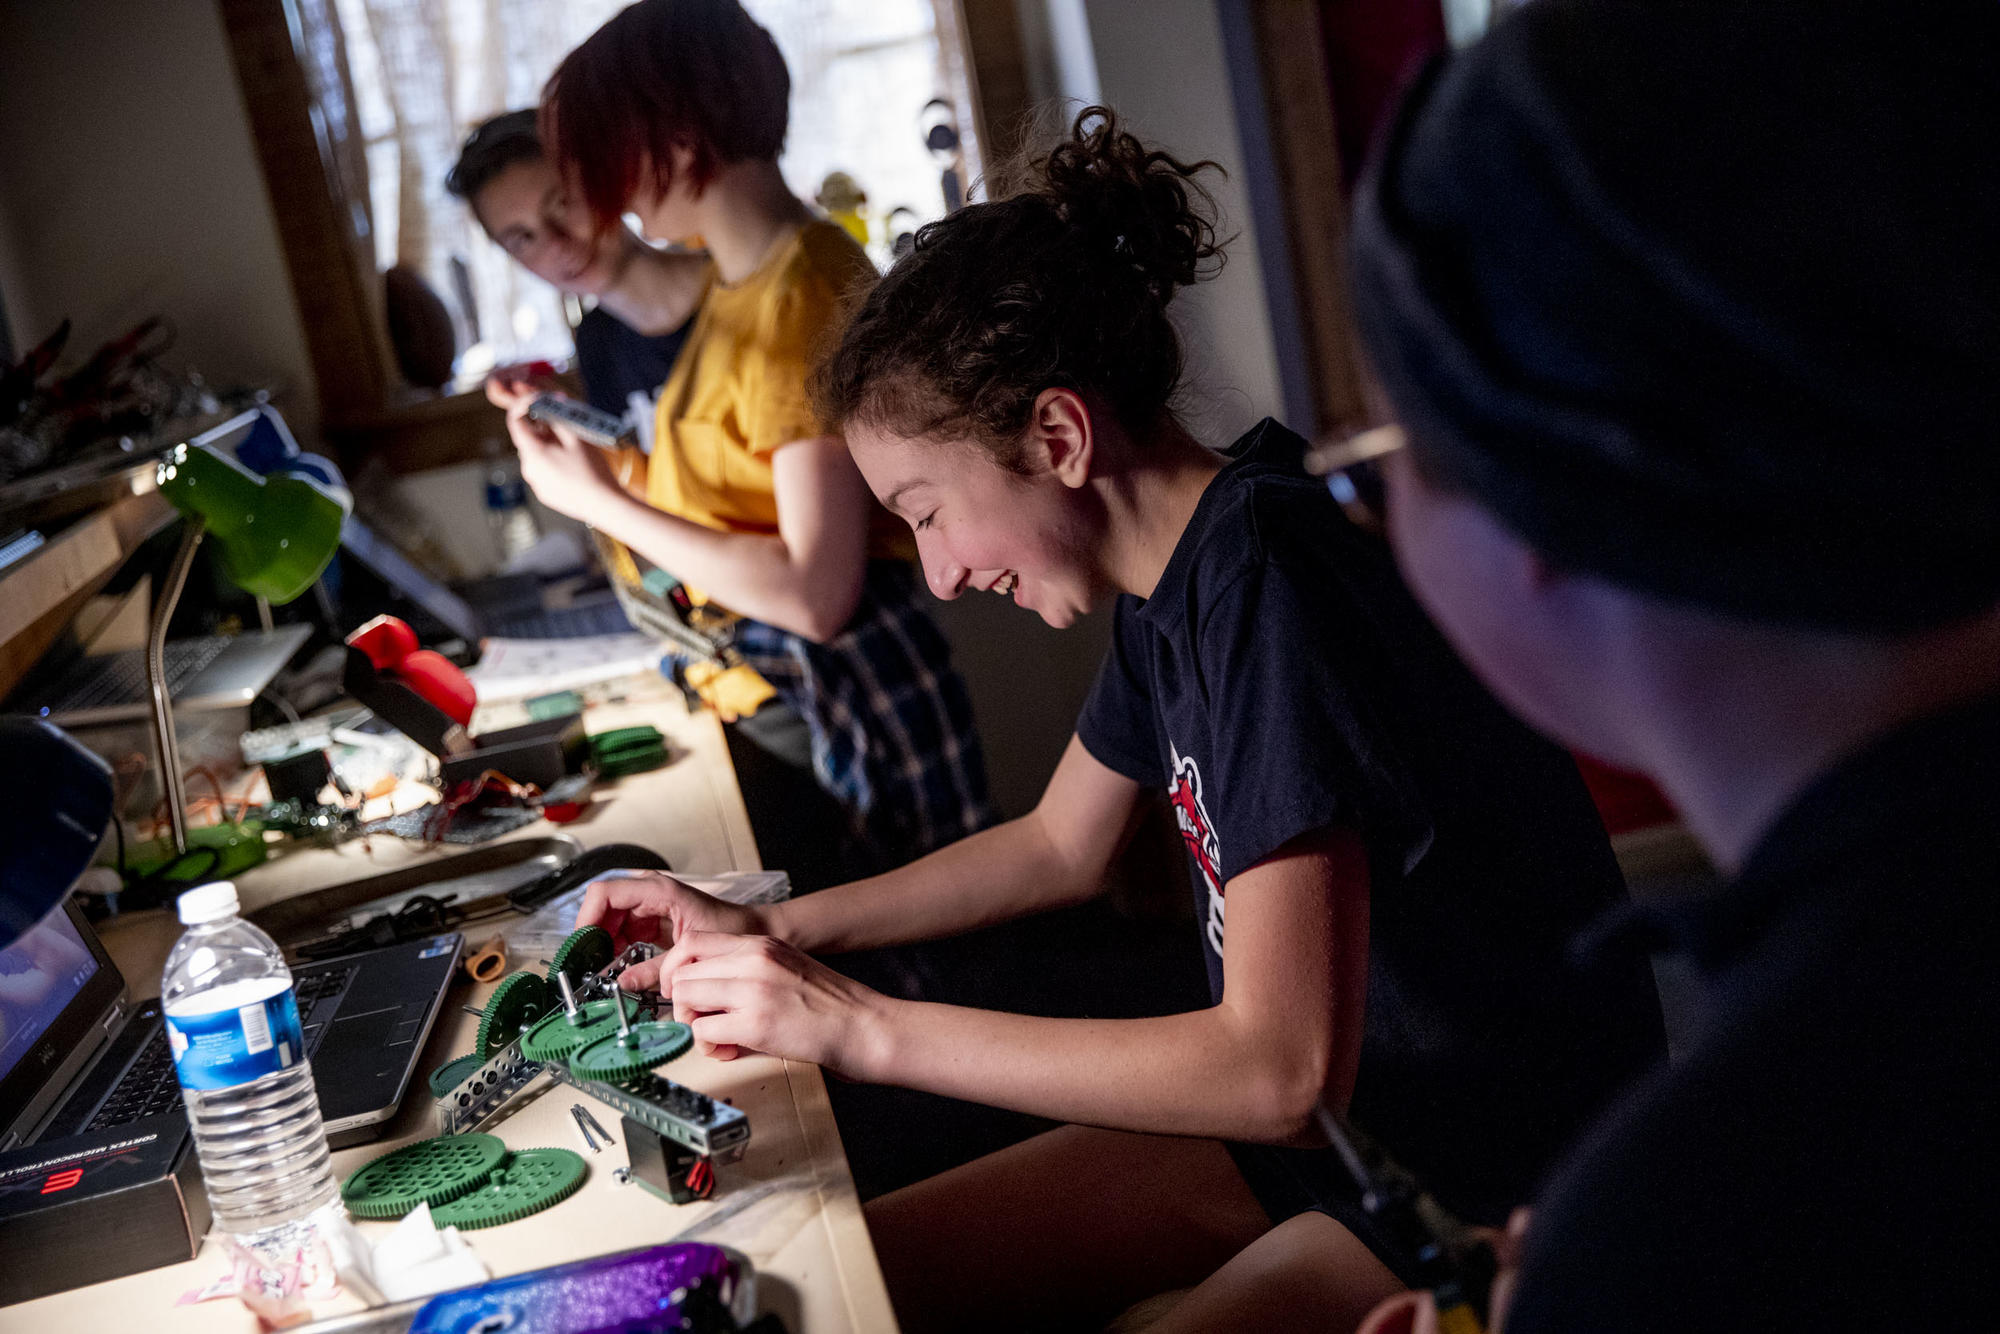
{"x": 515, "y": 668}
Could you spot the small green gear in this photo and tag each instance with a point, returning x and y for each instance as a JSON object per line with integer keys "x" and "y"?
{"x": 529, "y": 1181}
{"x": 554, "y": 1038}
{"x": 453, "y": 1072}
{"x": 585, "y": 951}
{"x": 519, "y": 1000}
{"x": 613, "y": 1058}
{"x": 430, "y": 1171}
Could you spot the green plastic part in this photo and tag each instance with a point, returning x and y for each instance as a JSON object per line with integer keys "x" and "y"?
{"x": 529, "y": 1181}
{"x": 617, "y": 1058}
{"x": 519, "y": 1000}
{"x": 627, "y": 750}
{"x": 430, "y": 1171}
{"x": 588, "y": 949}
{"x": 452, "y": 1073}
{"x": 555, "y": 1038}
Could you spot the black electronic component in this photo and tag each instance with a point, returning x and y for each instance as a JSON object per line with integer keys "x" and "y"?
{"x": 298, "y": 777}
{"x": 670, "y": 1170}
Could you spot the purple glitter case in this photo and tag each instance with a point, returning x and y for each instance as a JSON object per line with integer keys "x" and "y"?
{"x": 626, "y": 1293}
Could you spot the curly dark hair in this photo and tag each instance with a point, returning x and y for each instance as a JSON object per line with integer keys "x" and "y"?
{"x": 1064, "y": 283}
{"x": 490, "y": 149}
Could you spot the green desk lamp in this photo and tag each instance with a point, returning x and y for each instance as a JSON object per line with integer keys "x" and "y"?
{"x": 272, "y": 537}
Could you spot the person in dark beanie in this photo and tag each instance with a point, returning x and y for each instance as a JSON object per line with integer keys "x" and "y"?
{"x": 1692, "y": 315}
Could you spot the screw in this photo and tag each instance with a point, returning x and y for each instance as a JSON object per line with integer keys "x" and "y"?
{"x": 622, "y": 1175}
{"x": 625, "y": 1035}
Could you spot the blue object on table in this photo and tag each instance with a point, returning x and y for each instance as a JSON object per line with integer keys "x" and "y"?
{"x": 55, "y": 804}
{"x": 681, "y": 1286}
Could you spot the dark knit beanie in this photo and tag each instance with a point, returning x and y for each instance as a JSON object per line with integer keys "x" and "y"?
{"x": 1704, "y": 297}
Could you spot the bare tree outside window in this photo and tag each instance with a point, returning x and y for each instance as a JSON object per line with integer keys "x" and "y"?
{"x": 410, "y": 78}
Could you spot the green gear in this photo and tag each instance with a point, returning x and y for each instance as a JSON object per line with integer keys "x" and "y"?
{"x": 452, "y": 1073}
{"x": 588, "y": 949}
{"x": 554, "y": 1038}
{"x": 613, "y": 1059}
{"x": 430, "y": 1171}
{"x": 519, "y": 1000}
{"x": 529, "y": 1181}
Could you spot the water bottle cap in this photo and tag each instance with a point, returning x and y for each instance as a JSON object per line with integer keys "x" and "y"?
{"x": 210, "y": 903}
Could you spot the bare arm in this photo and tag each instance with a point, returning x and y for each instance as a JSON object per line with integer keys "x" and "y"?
{"x": 1053, "y": 856}
{"x": 1285, "y": 1037}
{"x": 806, "y": 578}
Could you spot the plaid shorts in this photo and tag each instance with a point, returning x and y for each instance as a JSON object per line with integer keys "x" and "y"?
{"x": 891, "y": 721}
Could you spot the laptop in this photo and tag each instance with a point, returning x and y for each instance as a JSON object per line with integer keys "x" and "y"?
{"x": 205, "y": 673}
{"x": 509, "y": 608}
{"x": 78, "y": 1054}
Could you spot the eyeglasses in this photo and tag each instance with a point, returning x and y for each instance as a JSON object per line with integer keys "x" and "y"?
{"x": 1349, "y": 468}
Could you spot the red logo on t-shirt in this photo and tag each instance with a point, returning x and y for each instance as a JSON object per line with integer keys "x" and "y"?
{"x": 1191, "y": 814}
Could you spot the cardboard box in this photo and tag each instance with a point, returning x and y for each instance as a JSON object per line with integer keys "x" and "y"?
{"x": 100, "y": 1205}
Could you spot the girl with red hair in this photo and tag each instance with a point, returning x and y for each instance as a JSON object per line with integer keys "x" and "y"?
{"x": 674, "y": 112}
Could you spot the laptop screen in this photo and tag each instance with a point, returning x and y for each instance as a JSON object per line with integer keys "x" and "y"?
{"x": 403, "y": 574}
{"x": 40, "y": 974}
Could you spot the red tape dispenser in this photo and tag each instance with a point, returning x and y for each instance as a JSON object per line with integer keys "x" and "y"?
{"x": 423, "y": 696}
{"x": 418, "y": 691}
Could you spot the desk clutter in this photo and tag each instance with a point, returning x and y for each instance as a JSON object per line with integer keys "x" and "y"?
{"x": 575, "y": 1027}
{"x": 408, "y": 722}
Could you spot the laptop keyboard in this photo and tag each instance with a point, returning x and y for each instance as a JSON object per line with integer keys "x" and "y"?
{"x": 603, "y": 617}
{"x": 120, "y": 678}
{"x": 148, "y": 1086}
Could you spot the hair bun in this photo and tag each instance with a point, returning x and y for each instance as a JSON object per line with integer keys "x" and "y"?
{"x": 1138, "y": 208}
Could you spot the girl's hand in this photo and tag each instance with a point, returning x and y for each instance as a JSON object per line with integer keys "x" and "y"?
{"x": 756, "y": 993}
{"x": 653, "y": 908}
{"x": 507, "y": 384}
{"x": 567, "y": 475}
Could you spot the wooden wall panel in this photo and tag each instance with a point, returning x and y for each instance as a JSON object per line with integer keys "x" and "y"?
{"x": 1298, "y": 99}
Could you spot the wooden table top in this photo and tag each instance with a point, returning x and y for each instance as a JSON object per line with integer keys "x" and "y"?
{"x": 789, "y": 1204}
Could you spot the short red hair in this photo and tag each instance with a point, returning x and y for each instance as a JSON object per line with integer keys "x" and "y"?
{"x": 699, "y": 75}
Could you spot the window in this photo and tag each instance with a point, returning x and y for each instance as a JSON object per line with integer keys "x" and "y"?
{"x": 424, "y": 72}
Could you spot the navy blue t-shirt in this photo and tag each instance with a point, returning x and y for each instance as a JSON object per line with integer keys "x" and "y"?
{"x": 616, "y": 361}
{"x": 1814, "y": 1161}
{"x": 1281, "y": 680}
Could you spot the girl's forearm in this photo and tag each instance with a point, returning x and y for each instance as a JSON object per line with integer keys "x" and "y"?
{"x": 1011, "y": 870}
{"x": 754, "y": 575}
{"x": 1205, "y": 1073}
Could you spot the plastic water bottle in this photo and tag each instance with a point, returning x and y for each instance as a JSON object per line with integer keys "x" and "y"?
{"x": 233, "y": 1025}
{"x": 508, "y": 517}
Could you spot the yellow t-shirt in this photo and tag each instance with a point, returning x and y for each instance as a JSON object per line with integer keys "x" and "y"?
{"x": 738, "y": 389}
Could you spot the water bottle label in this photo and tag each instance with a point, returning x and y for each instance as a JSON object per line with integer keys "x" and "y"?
{"x": 224, "y": 1048}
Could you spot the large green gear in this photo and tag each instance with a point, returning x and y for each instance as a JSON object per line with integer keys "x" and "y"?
{"x": 519, "y": 1000}
{"x": 614, "y": 1059}
{"x": 452, "y": 1073}
{"x": 430, "y": 1171}
{"x": 586, "y": 950}
{"x": 554, "y": 1038}
{"x": 529, "y": 1181}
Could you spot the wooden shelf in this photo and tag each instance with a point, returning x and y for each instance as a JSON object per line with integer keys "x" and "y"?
{"x": 40, "y": 594}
